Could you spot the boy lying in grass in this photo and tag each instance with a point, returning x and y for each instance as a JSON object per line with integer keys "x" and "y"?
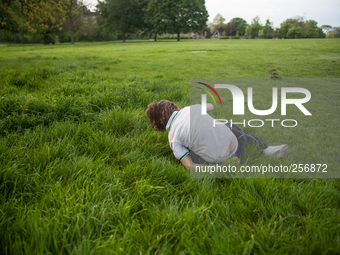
{"x": 193, "y": 135}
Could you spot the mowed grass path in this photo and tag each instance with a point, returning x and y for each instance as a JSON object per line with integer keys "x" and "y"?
{"x": 81, "y": 171}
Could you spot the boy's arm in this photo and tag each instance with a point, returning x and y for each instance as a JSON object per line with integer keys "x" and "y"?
{"x": 187, "y": 162}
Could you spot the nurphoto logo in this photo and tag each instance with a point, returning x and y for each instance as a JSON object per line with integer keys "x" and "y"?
{"x": 239, "y": 103}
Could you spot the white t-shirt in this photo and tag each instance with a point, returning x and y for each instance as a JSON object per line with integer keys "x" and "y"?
{"x": 189, "y": 130}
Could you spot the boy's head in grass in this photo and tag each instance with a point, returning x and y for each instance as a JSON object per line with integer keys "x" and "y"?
{"x": 159, "y": 113}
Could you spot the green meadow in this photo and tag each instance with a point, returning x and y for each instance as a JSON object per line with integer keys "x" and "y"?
{"x": 82, "y": 172}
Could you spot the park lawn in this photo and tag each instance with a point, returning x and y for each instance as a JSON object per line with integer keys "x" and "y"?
{"x": 82, "y": 172}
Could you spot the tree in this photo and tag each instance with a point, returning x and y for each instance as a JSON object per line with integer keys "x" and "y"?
{"x": 254, "y": 28}
{"x": 310, "y": 27}
{"x": 46, "y": 17}
{"x": 101, "y": 9}
{"x": 330, "y": 34}
{"x": 299, "y": 20}
{"x": 10, "y": 17}
{"x": 177, "y": 16}
{"x": 276, "y": 32}
{"x": 295, "y": 32}
{"x": 326, "y": 28}
{"x": 123, "y": 15}
{"x": 13, "y": 16}
{"x": 195, "y": 14}
{"x": 74, "y": 20}
{"x": 158, "y": 16}
{"x": 239, "y": 24}
{"x": 320, "y": 33}
{"x": 218, "y": 21}
{"x": 149, "y": 22}
{"x": 336, "y": 31}
{"x": 286, "y": 25}
{"x": 267, "y": 29}
{"x": 241, "y": 28}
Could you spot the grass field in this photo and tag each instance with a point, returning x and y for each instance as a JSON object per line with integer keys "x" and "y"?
{"x": 81, "y": 171}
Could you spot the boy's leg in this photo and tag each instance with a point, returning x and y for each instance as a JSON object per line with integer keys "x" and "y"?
{"x": 244, "y": 139}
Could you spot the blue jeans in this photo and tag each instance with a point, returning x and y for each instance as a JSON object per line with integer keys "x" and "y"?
{"x": 244, "y": 139}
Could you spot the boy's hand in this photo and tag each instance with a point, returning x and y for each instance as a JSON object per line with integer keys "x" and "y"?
{"x": 210, "y": 107}
{"x": 187, "y": 162}
{"x": 236, "y": 159}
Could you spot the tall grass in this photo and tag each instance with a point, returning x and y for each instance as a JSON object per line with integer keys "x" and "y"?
{"x": 81, "y": 171}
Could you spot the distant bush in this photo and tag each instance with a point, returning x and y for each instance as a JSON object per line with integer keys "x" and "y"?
{"x": 295, "y": 32}
{"x": 330, "y": 34}
{"x": 90, "y": 32}
{"x": 19, "y": 38}
{"x": 228, "y": 37}
{"x": 173, "y": 37}
{"x": 167, "y": 37}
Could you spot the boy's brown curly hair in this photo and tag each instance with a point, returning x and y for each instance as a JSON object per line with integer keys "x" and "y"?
{"x": 159, "y": 113}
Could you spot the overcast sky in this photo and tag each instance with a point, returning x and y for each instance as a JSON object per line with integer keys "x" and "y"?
{"x": 325, "y": 12}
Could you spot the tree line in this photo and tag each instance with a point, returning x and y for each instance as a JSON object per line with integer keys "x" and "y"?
{"x": 27, "y": 20}
{"x": 72, "y": 20}
{"x": 295, "y": 27}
